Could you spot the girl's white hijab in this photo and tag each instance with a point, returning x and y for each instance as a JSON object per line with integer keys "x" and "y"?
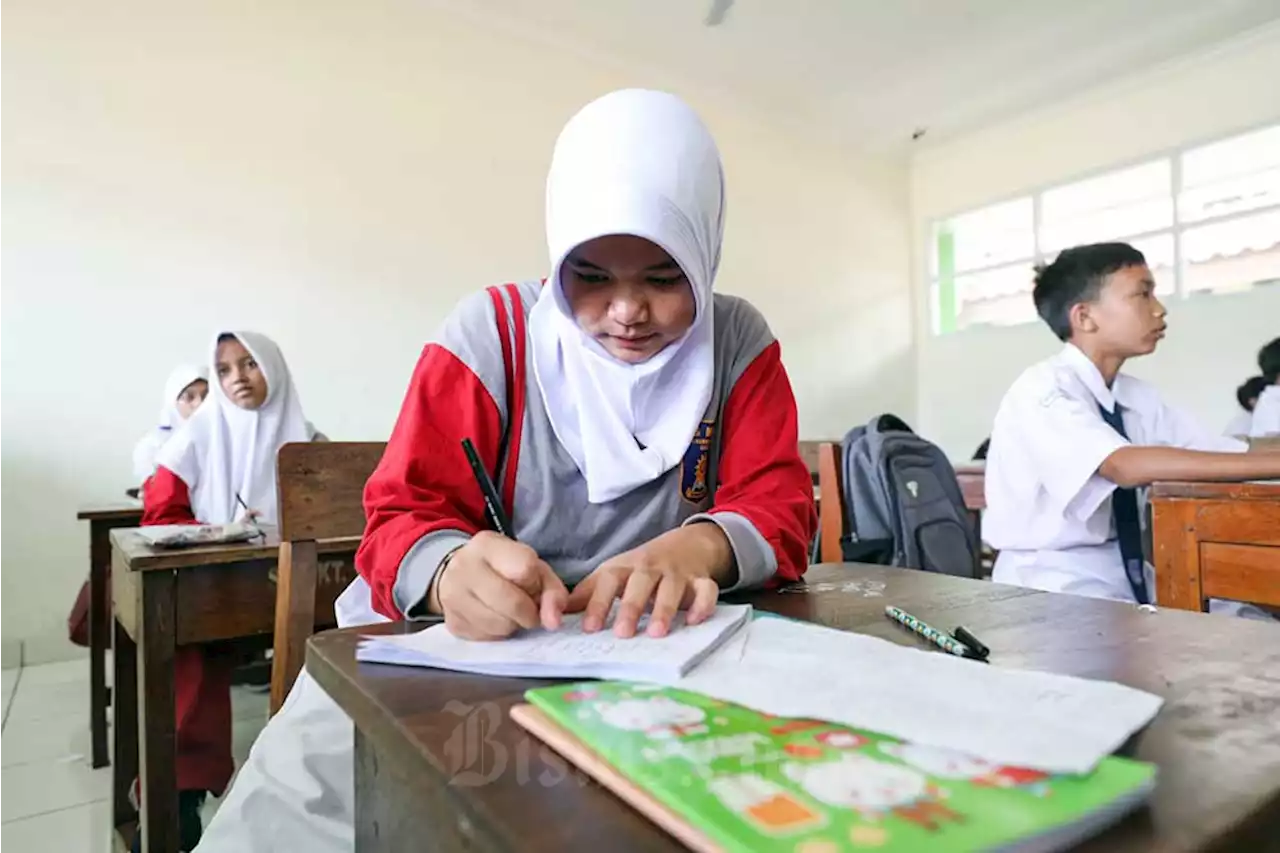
{"x": 144, "y": 453}
{"x": 641, "y": 163}
{"x": 182, "y": 376}
{"x": 224, "y": 451}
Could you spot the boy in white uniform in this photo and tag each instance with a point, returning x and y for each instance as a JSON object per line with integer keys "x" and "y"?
{"x": 1074, "y": 437}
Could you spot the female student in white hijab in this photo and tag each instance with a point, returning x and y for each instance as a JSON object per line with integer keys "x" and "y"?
{"x": 647, "y": 451}
{"x": 184, "y": 391}
{"x": 219, "y": 468}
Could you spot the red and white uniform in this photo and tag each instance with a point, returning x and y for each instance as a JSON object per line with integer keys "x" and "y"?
{"x": 222, "y": 456}
{"x": 600, "y": 457}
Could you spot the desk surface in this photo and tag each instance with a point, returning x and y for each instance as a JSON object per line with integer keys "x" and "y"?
{"x": 1269, "y": 490}
{"x": 1214, "y": 740}
{"x": 122, "y": 510}
{"x": 139, "y": 556}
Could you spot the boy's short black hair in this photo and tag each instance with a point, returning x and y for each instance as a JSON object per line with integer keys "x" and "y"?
{"x": 1269, "y": 361}
{"x": 1249, "y": 391}
{"x": 1076, "y": 276}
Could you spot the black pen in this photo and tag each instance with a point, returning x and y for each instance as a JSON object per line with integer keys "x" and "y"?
{"x": 493, "y": 503}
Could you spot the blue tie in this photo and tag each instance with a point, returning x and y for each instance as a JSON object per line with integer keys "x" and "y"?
{"x": 1124, "y": 509}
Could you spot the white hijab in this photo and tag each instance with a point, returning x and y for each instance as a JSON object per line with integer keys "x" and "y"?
{"x": 144, "y": 453}
{"x": 225, "y": 451}
{"x": 641, "y": 163}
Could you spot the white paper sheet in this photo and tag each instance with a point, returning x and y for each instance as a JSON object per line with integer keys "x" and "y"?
{"x": 1020, "y": 718}
{"x": 182, "y": 535}
{"x": 566, "y": 653}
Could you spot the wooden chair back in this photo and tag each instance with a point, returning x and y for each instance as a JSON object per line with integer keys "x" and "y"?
{"x": 831, "y": 508}
{"x": 320, "y": 488}
{"x": 809, "y": 453}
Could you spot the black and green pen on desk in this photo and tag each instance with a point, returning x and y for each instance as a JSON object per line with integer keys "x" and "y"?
{"x": 961, "y": 644}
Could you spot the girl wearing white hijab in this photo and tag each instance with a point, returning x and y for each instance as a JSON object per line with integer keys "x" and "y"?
{"x": 225, "y": 457}
{"x": 641, "y": 429}
{"x": 220, "y": 467}
{"x": 184, "y": 391}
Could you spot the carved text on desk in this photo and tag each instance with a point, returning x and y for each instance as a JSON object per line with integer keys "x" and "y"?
{"x": 334, "y": 572}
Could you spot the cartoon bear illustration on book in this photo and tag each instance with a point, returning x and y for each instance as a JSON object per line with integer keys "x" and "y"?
{"x": 875, "y": 789}
{"x": 659, "y": 717}
{"x": 943, "y": 763}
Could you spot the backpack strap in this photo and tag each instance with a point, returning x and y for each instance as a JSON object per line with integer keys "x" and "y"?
{"x": 511, "y": 334}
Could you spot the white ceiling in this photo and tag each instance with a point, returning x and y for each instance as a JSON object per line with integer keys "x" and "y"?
{"x": 876, "y": 70}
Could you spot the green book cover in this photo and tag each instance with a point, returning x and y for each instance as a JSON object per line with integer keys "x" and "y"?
{"x": 752, "y": 782}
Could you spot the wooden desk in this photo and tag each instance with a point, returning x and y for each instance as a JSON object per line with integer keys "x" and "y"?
{"x": 438, "y": 764}
{"x": 102, "y": 520}
{"x": 177, "y": 597}
{"x": 1216, "y": 540}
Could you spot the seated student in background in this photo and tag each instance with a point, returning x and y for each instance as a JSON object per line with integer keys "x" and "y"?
{"x": 656, "y": 460}
{"x": 221, "y": 468}
{"x": 1247, "y": 396}
{"x": 184, "y": 391}
{"x": 1074, "y": 437}
{"x": 1266, "y": 413}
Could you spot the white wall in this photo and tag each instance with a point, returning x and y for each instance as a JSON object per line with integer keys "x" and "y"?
{"x": 338, "y": 174}
{"x": 1212, "y": 341}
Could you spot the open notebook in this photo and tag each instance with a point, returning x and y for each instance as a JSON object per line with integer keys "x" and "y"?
{"x": 721, "y": 777}
{"x": 567, "y": 653}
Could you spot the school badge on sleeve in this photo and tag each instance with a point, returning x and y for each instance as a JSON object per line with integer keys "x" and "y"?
{"x": 693, "y": 470}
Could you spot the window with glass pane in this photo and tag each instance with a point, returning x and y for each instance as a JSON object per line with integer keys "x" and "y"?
{"x": 986, "y": 237}
{"x": 968, "y": 250}
{"x": 1232, "y": 176}
{"x": 1231, "y": 192}
{"x": 1119, "y": 204}
{"x": 996, "y": 297}
{"x": 1232, "y": 255}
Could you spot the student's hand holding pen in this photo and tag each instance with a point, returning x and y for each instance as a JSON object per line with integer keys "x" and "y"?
{"x": 494, "y": 586}
{"x": 249, "y": 516}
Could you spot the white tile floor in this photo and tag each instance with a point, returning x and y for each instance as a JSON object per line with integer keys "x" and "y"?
{"x": 52, "y": 799}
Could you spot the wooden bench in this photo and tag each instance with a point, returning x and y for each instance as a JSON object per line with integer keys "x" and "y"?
{"x": 1216, "y": 540}
{"x": 321, "y": 496}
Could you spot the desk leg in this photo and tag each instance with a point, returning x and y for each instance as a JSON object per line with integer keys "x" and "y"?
{"x": 1175, "y": 554}
{"x": 156, "y": 646}
{"x": 99, "y": 626}
{"x": 125, "y": 731}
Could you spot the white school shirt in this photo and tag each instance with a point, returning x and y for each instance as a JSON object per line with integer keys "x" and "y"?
{"x": 1048, "y": 509}
{"x": 1240, "y": 424}
{"x": 1266, "y": 413}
